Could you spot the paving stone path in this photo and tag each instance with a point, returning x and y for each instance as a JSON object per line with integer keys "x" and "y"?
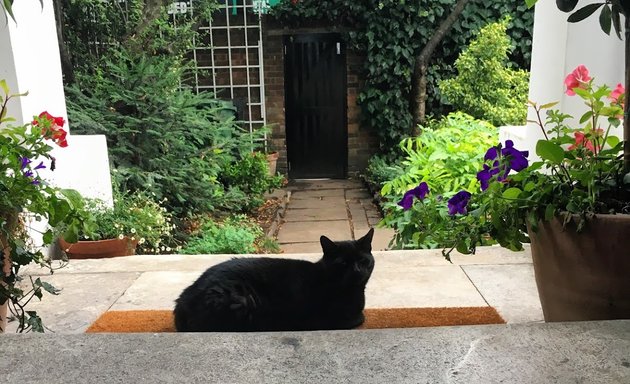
{"x": 339, "y": 209}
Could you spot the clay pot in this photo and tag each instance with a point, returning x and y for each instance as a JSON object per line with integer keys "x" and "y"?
{"x": 99, "y": 249}
{"x": 585, "y": 275}
{"x": 272, "y": 159}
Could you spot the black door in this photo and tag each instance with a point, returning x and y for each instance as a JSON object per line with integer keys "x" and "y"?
{"x": 315, "y": 106}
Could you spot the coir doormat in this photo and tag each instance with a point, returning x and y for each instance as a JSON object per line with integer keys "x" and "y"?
{"x": 162, "y": 321}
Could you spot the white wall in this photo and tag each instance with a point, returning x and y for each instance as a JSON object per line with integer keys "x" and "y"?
{"x": 30, "y": 62}
{"x": 558, "y": 48}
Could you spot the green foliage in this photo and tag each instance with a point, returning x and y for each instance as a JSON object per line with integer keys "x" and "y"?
{"x": 382, "y": 169}
{"x": 137, "y": 216}
{"x": 235, "y": 235}
{"x": 485, "y": 86}
{"x": 98, "y": 29}
{"x": 392, "y": 33}
{"x": 446, "y": 156}
{"x": 168, "y": 141}
{"x": 250, "y": 176}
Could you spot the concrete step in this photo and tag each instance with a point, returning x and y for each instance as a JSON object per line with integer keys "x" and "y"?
{"x": 578, "y": 352}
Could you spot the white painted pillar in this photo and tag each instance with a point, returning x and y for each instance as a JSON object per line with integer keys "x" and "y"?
{"x": 30, "y": 62}
{"x": 558, "y": 48}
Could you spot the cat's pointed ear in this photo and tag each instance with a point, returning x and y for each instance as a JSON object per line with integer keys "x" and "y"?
{"x": 327, "y": 244}
{"x": 366, "y": 241}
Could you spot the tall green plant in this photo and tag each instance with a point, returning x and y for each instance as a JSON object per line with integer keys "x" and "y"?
{"x": 485, "y": 86}
{"x": 163, "y": 139}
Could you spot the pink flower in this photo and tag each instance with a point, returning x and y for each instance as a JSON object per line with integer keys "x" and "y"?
{"x": 582, "y": 141}
{"x": 576, "y": 79}
{"x": 618, "y": 93}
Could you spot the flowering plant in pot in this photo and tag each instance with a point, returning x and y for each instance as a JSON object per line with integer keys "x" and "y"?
{"x": 578, "y": 188}
{"x": 26, "y": 197}
{"x": 136, "y": 220}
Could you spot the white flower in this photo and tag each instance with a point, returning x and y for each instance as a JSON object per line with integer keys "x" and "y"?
{"x": 168, "y": 249}
{"x": 121, "y": 236}
{"x": 133, "y": 230}
{"x": 141, "y": 241}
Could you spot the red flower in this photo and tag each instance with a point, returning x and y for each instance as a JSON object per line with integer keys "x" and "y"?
{"x": 53, "y": 128}
{"x": 576, "y": 79}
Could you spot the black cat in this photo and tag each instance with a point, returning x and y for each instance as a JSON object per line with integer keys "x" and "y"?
{"x": 267, "y": 294}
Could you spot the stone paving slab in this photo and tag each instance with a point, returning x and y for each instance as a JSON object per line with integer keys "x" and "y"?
{"x": 143, "y": 295}
{"x": 511, "y": 289}
{"x": 315, "y": 194}
{"x": 312, "y": 214}
{"x": 297, "y": 185}
{"x": 311, "y": 231}
{"x": 318, "y": 203}
{"x": 404, "y": 287}
{"x": 84, "y": 297}
{"x": 577, "y": 352}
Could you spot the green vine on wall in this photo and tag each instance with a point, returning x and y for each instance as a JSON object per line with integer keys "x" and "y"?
{"x": 391, "y": 33}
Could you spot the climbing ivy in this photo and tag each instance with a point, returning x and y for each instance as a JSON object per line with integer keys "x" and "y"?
{"x": 391, "y": 33}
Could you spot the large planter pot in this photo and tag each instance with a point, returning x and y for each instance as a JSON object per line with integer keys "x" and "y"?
{"x": 585, "y": 275}
{"x": 99, "y": 249}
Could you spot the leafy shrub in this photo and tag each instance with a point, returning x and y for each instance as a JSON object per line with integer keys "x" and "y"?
{"x": 250, "y": 175}
{"x": 486, "y": 87}
{"x": 446, "y": 156}
{"x": 162, "y": 139}
{"x": 235, "y": 235}
{"x": 380, "y": 170}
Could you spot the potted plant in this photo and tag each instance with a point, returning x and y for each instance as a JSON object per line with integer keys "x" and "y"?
{"x": 24, "y": 196}
{"x": 573, "y": 205}
{"x": 135, "y": 220}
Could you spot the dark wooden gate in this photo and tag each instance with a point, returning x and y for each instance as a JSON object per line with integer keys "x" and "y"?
{"x": 315, "y": 106}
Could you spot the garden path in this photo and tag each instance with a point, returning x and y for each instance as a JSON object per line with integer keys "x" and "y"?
{"x": 338, "y": 209}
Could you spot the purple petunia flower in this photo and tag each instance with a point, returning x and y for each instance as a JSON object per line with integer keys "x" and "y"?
{"x": 419, "y": 192}
{"x": 458, "y": 203}
{"x": 24, "y": 162}
{"x": 40, "y": 166}
{"x": 516, "y": 160}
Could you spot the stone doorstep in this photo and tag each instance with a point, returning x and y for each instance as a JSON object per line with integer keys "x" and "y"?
{"x": 576, "y": 352}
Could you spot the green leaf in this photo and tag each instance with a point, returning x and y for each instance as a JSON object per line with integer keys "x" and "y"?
{"x": 9, "y": 9}
{"x": 549, "y": 105}
{"x": 530, "y": 3}
{"x": 4, "y": 86}
{"x": 586, "y": 116}
{"x": 612, "y": 141}
{"x": 550, "y": 151}
{"x": 605, "y": 20}
{"x": 550, "y": 211}
{"x": 511, "y": 193}
{"x": 584, "y": 12}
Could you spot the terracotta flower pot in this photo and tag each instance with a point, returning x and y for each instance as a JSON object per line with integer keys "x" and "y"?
{"x": 585, "y": 275}
{"x": 272, "y": 159}
{"x": 99, "y": 249}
